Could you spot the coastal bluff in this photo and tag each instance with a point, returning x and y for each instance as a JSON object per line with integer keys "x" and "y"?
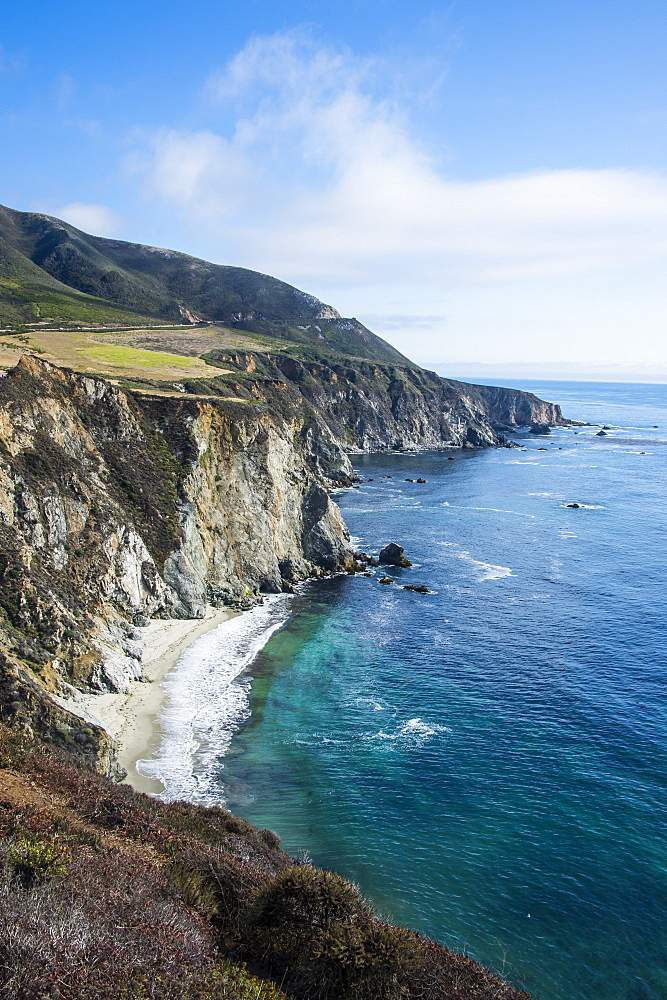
{"x": 119, "y": 505}
{"x": 125, "y": 503}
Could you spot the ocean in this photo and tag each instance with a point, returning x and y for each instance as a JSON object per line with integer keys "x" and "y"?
{"x": 488, "y": 761}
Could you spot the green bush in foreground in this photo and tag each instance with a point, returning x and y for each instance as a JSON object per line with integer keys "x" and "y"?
{"x": 315, "y": 929}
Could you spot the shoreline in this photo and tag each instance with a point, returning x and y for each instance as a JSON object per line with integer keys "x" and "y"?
{"x": 131, "y": 718}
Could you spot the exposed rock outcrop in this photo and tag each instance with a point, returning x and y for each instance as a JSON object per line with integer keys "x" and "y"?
{"x": 383, "y": 407}
{"x": 114, "y": 506}
{"x": 392, "y": 555}
{"x": 117, "y": 506}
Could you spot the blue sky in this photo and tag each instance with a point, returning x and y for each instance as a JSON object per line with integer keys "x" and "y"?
{"x": 483, "y": 182}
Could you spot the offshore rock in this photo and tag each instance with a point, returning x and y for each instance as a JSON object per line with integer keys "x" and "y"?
{"x": 392, "y": 555}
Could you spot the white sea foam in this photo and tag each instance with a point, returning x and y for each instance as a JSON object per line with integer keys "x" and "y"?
{"x": 494, "y": 510}
{"x": 315, "y": 740}
{"x": 490, "y": 572}
{"x": 375, "y": 704}
{"x": 486, "y": 571}
{"x": 206, "y": 701}
{"x": 413, "y": 733}
{"x": 555, "y": 565}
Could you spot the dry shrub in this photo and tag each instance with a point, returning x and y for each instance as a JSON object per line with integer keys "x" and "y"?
{"x": 313, "y": 931}
{"x": 441, "y": 974}
{"x": 94, "y": 930}
{"x": 222, "y": 885}
{"x": 118, "y": 808}
{"x": 111, "y": 928}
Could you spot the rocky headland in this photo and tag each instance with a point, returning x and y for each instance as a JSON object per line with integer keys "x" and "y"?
{"x": 117, "y": 505}
{"x": 154, "y": 472}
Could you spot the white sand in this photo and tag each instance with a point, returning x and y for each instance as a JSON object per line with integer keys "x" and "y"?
{"x": 132, "y": 718}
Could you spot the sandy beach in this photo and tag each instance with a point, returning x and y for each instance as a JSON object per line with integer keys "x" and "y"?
{"x": 131, "y": 718}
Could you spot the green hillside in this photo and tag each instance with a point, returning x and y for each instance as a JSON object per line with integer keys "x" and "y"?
{"x": 49, "y": 270}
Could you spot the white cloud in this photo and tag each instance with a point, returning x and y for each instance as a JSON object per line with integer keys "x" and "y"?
{"x": 95, "y": 219}
{"x": 200, "y": 172}
{"x": 317, "y": 177}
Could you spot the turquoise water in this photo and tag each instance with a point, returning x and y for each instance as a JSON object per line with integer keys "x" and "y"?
{"x": 489, "y": 761}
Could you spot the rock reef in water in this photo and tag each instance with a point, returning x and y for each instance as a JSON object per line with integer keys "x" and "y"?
{"x": 392, "y": 555}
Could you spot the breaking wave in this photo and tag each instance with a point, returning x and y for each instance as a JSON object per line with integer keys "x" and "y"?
{"x": 206, "y": 700}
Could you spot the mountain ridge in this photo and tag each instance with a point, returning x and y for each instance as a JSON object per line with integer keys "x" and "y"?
{"x": 161, "y": 284}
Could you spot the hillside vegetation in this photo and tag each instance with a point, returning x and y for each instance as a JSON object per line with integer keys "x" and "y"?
{"x": 107, "y": 894}
{"x": 49, "y": 270}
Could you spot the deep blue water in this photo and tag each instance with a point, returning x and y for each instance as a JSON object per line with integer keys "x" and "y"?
{"x": 488, "y": 761}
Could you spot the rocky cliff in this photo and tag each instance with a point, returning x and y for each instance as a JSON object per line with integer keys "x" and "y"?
{"x": 371, "y": 406}
{"x": 117, "y": 505}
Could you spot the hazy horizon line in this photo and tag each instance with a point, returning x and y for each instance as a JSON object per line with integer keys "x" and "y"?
{"x": 546, "y": 373}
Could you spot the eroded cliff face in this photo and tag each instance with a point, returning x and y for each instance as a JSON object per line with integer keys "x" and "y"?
{"x": 116, "y": 508}
{"x": 376, "y": 407}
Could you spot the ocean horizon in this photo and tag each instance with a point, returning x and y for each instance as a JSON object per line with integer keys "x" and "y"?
{"x": 487, "y": 761}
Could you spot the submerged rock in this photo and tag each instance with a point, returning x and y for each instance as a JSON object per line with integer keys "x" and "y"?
{"x": 386, "y": 579}
{"x": 421, "y": 589}
{"x": 577, "y": 505}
